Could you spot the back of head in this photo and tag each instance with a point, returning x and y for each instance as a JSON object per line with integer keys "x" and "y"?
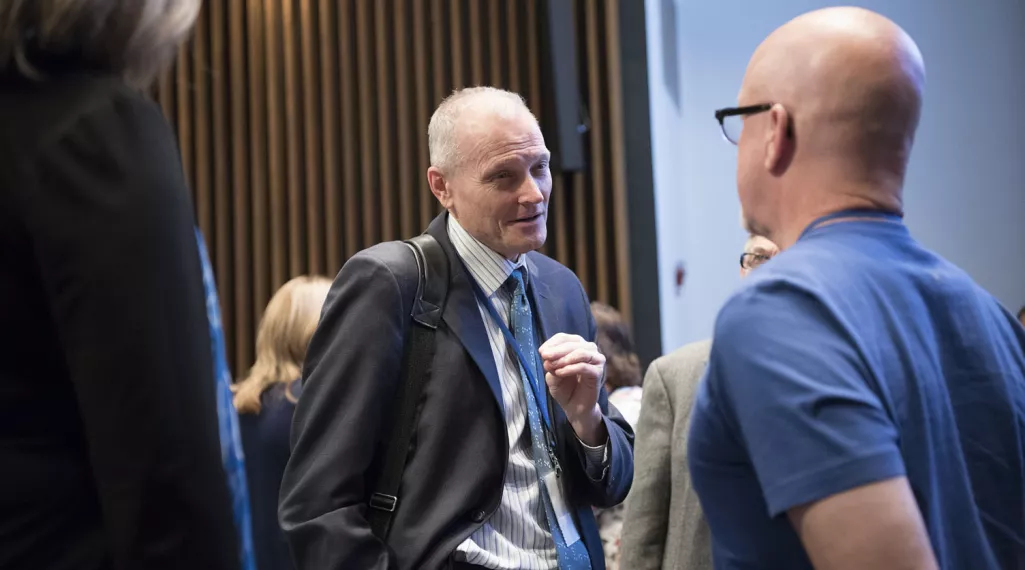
{"x": 845, "y": 85}
{"x": 134, "y": 39}
{"x": 285, "y": 331}
{"x": 615, "y": 341}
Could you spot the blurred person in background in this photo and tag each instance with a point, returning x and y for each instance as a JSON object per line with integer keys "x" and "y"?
{"x": 664, "y": 526}
{"x": 623, "y": 384}
{"x": 108, "y": 426}
{"x": 265, "y": 401}
{"x": 622, "y": 368}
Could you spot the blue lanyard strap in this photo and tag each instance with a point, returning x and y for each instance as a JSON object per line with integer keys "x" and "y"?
{"x": 853, "y": 215}
{"x": 530, "y": 371}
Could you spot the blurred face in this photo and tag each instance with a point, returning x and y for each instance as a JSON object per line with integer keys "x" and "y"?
{"x": 757, "y": 251}
{"x": 499, "y": 192}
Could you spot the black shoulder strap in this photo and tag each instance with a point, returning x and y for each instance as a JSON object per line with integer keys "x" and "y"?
{"x": 431, "y": 292}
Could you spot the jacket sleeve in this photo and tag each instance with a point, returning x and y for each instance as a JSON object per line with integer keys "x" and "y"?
{"x": 350, "y": 376}
{"x": 647, "y": 510}
{"x": 112, "y": 232}
{"x": 614, "y": 484}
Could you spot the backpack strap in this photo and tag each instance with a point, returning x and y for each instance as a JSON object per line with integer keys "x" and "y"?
{"x": 428, "y": 306}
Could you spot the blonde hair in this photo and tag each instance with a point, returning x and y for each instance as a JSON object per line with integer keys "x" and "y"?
{"x": 442, "y": 142}
{"x": 284, "y": 334}
{"x": 135, "y": 39}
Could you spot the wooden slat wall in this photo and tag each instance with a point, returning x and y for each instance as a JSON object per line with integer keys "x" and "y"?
{"x": 303, "y": 124}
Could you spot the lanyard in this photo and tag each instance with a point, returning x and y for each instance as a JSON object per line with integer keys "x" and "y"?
{"x": 530, "y": 371}
{"x": 853, "y": 215}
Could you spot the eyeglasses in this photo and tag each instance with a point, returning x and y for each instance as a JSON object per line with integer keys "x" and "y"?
{"x": 752, "y": 260}
{"x": 731, "y": 119}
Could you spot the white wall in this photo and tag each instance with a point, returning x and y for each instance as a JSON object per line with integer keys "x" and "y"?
{"x": 965, "y": 194}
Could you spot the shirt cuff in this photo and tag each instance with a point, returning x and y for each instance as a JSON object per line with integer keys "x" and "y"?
{"x": 596, "y": 460}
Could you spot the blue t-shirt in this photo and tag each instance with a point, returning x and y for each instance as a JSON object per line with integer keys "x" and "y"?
{"x": 854, "y": 357}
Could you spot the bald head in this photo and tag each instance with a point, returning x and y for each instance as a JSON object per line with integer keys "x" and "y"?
{"x": 852, "y": 81}
{"x": 846, "y": 85}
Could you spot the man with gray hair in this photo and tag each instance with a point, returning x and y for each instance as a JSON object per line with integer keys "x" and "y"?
{"x": 514, "y": 441}
{"x": 664, "y": 526}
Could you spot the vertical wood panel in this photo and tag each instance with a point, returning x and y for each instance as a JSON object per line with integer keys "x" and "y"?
{"x": 314, "y": 186}
{"x": 303, "y": 132}
{"x": 330, "y": 101}
{"x": 243, "y": 297}
{"x": 616, "y": 139}
{"x": 260, "y": 274}
{"x": 595, "y": 90}
{"x": 276, "y": 113}
{"x": 515, "y": 46}
{"x": 222, "y": 244}
{"x": 348, "y": 127}
{"x": 406, "y": 161}
{"x": 476, "y": 44}
{"x": 458, "y": 50}
{"x": 183, "y": 111}
{"x": 421, "y": 48}
{"x": 295, "y": 113}
{"x": 367, "y": 126}
{"x": 495, "y": 38}
{"x": 384, "y": 96}
{"x": 202, "y": 178}
{"x": 442, "y": 77}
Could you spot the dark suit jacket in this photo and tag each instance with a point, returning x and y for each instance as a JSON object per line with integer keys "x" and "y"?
{"x": 454, "y": 475}
{"x": 265, "y": 442}
{"x": 109, "y": 452}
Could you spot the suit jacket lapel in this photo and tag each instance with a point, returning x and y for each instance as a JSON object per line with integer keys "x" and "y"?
{"x": 462, "y": 315}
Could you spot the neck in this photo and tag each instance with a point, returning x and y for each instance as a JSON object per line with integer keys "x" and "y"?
{"x": 806, "y": 206}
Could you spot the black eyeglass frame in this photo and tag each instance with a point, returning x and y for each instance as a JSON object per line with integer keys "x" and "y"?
{"x": 722, "y": 114}
{"x": 761, "y": 256}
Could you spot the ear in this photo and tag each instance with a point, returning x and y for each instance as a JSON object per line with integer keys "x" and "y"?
{"x": 779, "y": 140}
{"x": 439, "y": 186}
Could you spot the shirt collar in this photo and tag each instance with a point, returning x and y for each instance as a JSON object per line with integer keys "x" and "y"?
{"x": 487, "y": 267}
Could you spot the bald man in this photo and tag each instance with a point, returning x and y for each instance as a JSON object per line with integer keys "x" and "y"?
{"x": 864, "y": 403}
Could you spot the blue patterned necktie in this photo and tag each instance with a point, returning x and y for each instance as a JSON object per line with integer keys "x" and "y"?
{"x": 571, "y": 556}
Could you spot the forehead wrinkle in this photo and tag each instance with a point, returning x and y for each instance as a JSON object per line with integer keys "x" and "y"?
{"x": 495, "y": 146}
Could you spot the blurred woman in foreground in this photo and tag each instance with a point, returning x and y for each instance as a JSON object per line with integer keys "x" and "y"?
{"x": 108, "y": 430}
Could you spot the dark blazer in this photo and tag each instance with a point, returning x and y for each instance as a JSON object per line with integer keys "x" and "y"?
{"x": 454, "y": 476}
{"x": 265, "y": 442}
{"x": 109, "y": 452}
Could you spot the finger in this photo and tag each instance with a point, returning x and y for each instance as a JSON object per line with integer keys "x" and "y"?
{"x": 586, "y": 353}
{"x": 558, "y": 351}
{"x": 560, "y": 339}
{"x": 582, "y": 369}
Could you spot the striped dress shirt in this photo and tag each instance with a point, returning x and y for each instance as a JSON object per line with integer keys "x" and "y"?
{"x": 517, "y": 535}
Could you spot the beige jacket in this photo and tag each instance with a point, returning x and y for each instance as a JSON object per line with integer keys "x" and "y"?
{"x": 664, "y": 527}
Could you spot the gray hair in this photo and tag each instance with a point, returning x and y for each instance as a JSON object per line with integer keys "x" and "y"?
{"x": 135, "y": 39}
{"x": 442, "y": 141}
